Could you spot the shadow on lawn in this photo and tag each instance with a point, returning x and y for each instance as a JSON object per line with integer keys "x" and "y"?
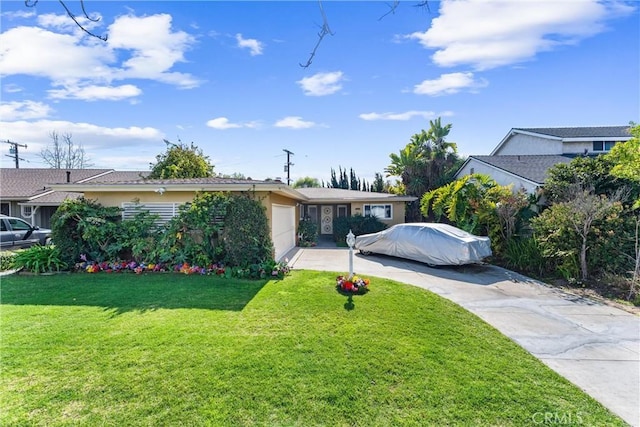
{"x": 128, "y": 292}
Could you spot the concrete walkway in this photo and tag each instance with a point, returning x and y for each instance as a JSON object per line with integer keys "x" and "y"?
{"x": 595, "y": 346}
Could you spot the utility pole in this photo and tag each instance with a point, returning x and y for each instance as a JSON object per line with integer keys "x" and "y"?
{"x": 287, "y": 166}
{"x": 14, "y": 154}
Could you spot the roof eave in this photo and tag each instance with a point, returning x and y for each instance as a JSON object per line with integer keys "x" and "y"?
{"x": 279, "y": 188}
{"x": 335, "y": 200}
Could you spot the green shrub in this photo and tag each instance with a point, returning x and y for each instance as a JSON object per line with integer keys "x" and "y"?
{"x": 40, "y": 259}
{"x": 194, "y": 235}
{"x": 308, "y": 232}
{"x": 138, "y": 236}
{"x": 525, "y": 256}
{"x": 6, "y": 260}
{"x": 558, "y": 232}
{"x": 246, "y": 235}
{"x": 358, "y": 224}
{"x": 84, "y": 226}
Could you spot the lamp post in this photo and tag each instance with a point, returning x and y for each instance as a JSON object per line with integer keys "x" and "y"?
{"x": 351, "y": 240}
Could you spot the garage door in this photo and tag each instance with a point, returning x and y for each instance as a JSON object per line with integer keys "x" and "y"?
{"x": 283, "y": 229}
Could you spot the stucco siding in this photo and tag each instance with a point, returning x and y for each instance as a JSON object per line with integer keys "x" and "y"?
{"x": 527, "y": 144}
{"x": 501, "y": 177}
{"x": 579, "y": 148}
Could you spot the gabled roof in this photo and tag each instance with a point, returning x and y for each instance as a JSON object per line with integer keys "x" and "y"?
{"x": 336, "y": 195}
{"x": 28, "y": 183}
{"x": 533, "y": 168}
{"x": 571, "y": 134}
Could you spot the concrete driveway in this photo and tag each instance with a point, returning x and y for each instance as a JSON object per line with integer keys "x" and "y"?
{"x": 595, "y": 346}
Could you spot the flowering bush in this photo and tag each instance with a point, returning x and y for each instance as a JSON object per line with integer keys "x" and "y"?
{"x": 270, "y": 269}
{"x": 354, "y": 285}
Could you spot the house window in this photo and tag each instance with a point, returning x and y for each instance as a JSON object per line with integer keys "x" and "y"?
{"x": 342, "y": 210}
{"x": 603, "y": 145}
{"x": 472, "y": 171}
{"x": 379, "y": 211}
{"x": 4, "y": 209}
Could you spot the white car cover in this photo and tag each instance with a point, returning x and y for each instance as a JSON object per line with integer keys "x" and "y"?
{"x": 431, "y": 243}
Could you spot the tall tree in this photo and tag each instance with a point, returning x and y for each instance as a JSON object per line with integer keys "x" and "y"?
{"x": 63, "y": 153}
{"x": 354, "y": 182}
{"x": 427, "y": 162}
{"x": 378, "y": 183}
{"x": 181, "y": 161}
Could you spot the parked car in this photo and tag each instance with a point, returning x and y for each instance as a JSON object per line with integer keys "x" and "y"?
{"x": 16, "y": 233}
{"x": 431, "y": 243}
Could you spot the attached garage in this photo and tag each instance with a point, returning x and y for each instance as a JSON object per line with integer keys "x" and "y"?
{"x": 283, "y": 229}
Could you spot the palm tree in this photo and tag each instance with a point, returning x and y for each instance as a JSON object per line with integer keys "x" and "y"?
{"x": 425, "y": 163}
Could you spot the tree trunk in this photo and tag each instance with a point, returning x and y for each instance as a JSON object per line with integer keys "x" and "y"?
{"x": 583, "y": 259}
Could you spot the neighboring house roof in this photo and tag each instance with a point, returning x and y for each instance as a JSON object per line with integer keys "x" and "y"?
{"x": 571, "y": 134}
{"x": 53, "y": 198}
{"x": 533, "y": 168}
{"x": 333, "y": 195}
{"x": 28, "y": 183}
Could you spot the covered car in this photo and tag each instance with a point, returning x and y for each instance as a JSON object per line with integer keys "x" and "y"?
{"x": 431, "y": 243}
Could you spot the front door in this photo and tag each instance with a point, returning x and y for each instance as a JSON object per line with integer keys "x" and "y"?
{"x": 326, "y": 220}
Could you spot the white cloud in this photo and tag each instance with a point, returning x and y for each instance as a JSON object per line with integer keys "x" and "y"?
{"x": 94, "y": 93}
{"x": 98, "y": 141}
{"x": 488, "y": 34}
{"x": 223, "y": 123}
{"x": 149, "y": 45}
{"x": 154, "y": 46}
{"x": 321, "y": 84}
{"x": 408, "y": 115}
{"x": 64, "y": 23}
{"x": 18, "y": 14}
{"x": 24, "y": 110}
{"x": 448, "y": 84}
{"x": 59, "y": 57}
{"x": 11, "y": 88}
{"x": 294, "y": 122}
{"x": 255, "y": 47}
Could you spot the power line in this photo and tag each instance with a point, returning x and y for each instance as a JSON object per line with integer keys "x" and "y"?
{"x": 14, "y": 153}
{"x": 287, "y": 166}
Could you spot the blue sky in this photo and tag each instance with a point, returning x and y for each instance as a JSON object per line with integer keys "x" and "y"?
{"x": 226, "y": 76}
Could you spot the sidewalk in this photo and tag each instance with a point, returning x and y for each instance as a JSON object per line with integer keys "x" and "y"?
{"x": 594, "y": 346}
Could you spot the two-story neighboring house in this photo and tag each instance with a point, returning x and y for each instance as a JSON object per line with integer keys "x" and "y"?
{"x": 525, "y": 155}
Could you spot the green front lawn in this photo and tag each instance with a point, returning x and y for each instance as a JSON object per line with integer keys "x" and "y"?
{"x": 165, "y": 349}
